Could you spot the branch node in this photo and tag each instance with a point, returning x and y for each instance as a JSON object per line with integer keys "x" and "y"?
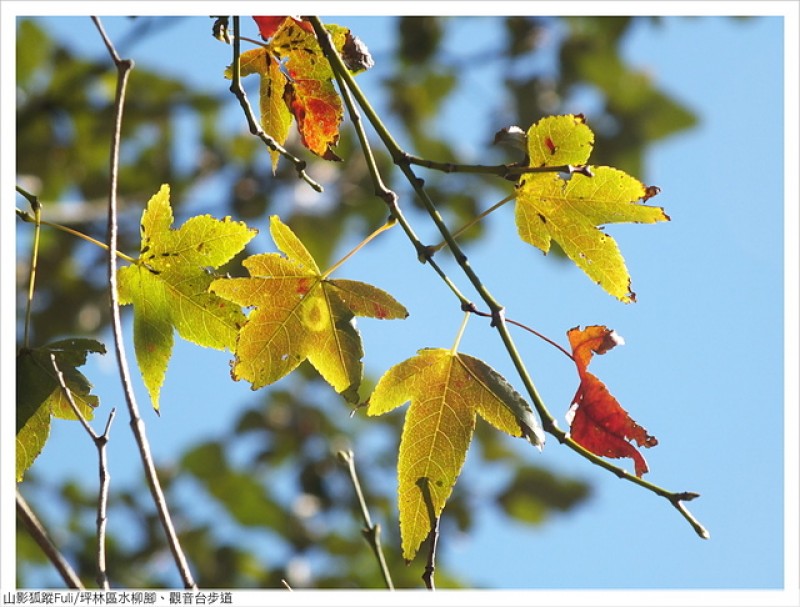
{"x": 498, "y": 317}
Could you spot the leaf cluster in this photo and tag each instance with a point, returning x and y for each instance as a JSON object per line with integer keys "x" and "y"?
{"x": 177, "y": 286}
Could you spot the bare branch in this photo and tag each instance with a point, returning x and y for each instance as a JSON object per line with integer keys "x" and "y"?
{"x": 100, "y": 441}
{"x": 38, "y": 533}
{"x": 124, "y": 67}
{"x": 371, "y": 532}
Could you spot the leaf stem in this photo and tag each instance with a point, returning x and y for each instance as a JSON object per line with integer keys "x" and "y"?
{"x": 26, "y": 217}
{"x": 460, "y": 334}
{"x": 253, "y": 123}
{"x": 476, "y": 219}
{"x": 124, "y": 67}
{"x": 525, "y": 327}
{"x": 100, "y": 441}
{"x": 37, "y": 220}
{"x": 389, "y": 223}
{"x": 372, "y": 533}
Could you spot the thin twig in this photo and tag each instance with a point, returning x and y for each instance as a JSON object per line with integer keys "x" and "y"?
{"x": 39, "y": 535}
{"x": 253, "y": 123}
{"x": 506, "y": 171}
{"x": 372, "y": 533}
{"x": 430, "y": 565}
{"x": 28, "y": 218}
{"x": 404, "y": 162}
{"x": 124, "y": 66}
{"x": 100, "y": 441}
{"x": 33, "y": 200}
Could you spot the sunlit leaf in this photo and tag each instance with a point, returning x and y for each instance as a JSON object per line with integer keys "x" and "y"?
{"x": 168, "y": 286}
{"x": 446, "y": 390}
{"x": 299, "y": 314}
{"x": 275, "y": 116}
{"x": 40, "y": 396}
{"x": 597, "y": 421}
{"x": 569, "y": 211}
{"x": 297, "y": 81}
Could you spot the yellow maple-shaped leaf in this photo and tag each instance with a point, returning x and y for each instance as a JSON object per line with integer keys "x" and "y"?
{"x": 570, "y": 211}
{"x": 275, "y": 116}
{"x": 300, "y": 314}
{"x": 168, "y": 286}
{"x": 446, "y": 390}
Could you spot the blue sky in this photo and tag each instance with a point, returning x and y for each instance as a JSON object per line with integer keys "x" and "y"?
{"x": 703, "y": 364}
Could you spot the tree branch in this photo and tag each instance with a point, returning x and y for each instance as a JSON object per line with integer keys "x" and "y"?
{"x": 100, "y": 442}
{"x": 510, "y": 171}
{"x": 404, "y": 162}
{"x": 424, "y": 253}
{"x": 124, "y": 67}
{"x": 39, "y": 535}
{"x": 372, "y": 533}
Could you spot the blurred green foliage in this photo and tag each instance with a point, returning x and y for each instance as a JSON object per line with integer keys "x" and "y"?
{"x": 63, "y": 118}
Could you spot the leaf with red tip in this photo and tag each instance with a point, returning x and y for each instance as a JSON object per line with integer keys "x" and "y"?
{"x": 267, "y": 26}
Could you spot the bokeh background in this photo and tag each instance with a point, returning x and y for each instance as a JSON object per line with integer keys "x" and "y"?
{"x": 691, "y": 104}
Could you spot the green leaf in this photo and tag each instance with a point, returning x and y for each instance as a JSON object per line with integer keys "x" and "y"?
{"x": 39, "y": 393}
{"x": 569, "y": 210}
{"x": 446, "y": 390}
{"x": 168, "y": 286}
{"x": 300, "y": 315}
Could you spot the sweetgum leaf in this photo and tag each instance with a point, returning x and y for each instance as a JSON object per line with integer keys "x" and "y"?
{"x": 597, "y": 421}
{"x": 446, "y": 390}
{"x": 570, "y": 210}
{"x": 297, "y": 81}
{"x": 39, "y": 393}
{"x": 299, "y": 314}
{"x": 168, "y": 286}
{"x": 275, "y": 116}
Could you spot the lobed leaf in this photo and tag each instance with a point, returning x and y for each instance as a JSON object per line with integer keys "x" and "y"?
{"x": 168, "y": 287}
{"x": 297, "y": 81}
{"x": 569, "y": 211}
{"x": 40, "y": 396}
{"x": 597, "y": 421}
{"x": 446, "y": 390}
{"x": 298, "y": 315}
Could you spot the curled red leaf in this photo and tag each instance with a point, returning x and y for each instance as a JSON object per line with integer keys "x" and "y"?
{"x": 597, "y": 421}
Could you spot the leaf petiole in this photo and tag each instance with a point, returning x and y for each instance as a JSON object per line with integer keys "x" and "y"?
{"x": 37, "y": 220}
{"x": 454, "y": 349}
{"x": 389, "y": 223}
{"x": 473, "y": 221}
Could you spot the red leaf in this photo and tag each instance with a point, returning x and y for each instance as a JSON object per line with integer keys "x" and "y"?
{"x": 597, "y": 421}
{"x": 318, "y": 110}
{"x": 267, "y": 26}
